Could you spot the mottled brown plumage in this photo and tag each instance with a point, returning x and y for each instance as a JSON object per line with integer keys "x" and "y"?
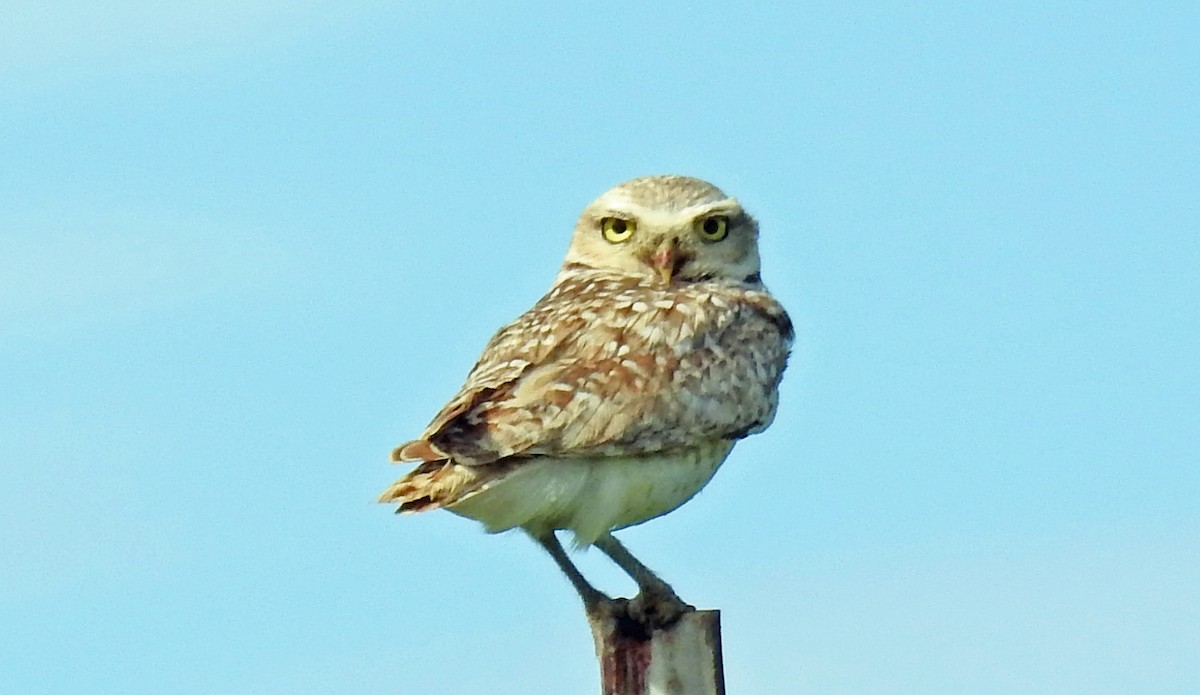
{"x": 618, "y": 394}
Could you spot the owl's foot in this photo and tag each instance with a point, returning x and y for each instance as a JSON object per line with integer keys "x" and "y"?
{"x": 658, "y": 608}
{"x": 657, "y": 605}
{"x": 638, "y": 618}
{"x": 605, "y": 608}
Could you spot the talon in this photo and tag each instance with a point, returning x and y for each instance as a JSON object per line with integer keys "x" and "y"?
{"x": 605, "y": 607}
{"x": 658, "y": 610}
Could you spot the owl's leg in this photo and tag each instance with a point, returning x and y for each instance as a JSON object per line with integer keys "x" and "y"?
{"x": 592, "y": 597}
{"x": 656, "y": 604}
{"x": 646, "y": 579}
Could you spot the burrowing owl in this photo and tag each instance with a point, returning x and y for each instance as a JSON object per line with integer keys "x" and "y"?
{"x": 616, "y": 397}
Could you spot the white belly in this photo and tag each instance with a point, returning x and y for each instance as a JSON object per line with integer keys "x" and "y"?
{"x": 590, "y": 496}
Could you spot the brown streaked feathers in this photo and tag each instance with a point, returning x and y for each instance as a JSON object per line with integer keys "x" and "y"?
{"x": 613, "y": 363}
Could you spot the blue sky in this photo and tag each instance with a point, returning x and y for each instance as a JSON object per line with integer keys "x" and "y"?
{"x": 246, "y": 248}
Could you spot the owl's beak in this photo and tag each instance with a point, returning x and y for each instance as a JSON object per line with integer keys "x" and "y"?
{"x": 664, "y": 259}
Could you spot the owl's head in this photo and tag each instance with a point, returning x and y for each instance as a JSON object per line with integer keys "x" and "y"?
{"x": 671, "y": 228}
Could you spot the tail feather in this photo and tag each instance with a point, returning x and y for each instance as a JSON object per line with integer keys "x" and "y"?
{"x": 431, "y": 485}
{"x": 418, "y": 450}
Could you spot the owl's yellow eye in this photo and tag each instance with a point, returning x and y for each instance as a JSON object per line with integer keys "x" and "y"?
{"x": 713, "y": 229}
{"x": 616, "y": 230}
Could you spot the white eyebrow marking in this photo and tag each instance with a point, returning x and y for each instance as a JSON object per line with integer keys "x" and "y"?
{"x": 619, "y": 205}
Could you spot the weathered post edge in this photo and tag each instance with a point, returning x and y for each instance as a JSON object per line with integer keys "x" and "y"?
{"x": 682, "y": 659}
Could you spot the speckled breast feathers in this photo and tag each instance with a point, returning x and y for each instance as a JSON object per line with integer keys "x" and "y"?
{"x": 634, "y": 351}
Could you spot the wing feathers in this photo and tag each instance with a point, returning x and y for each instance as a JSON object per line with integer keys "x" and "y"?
{"x": 654, "y": 368}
